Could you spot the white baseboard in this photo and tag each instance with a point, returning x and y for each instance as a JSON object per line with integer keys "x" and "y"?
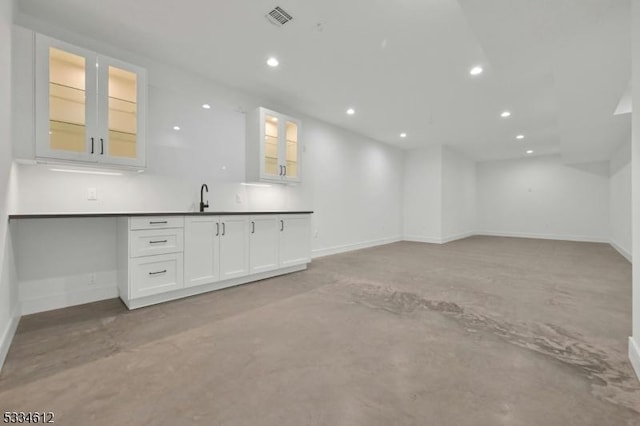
{"x": 422, "y": 239}
{"x": 437, "y": 240}
{"x": 457, "y": 237}
{"x": 57, "y": 301}
{"x": 7, "y": 336}
{"x": 560, "y": 237}
{"x": 624, "y": 252}
{"x": 350, "y": 247}
{"x": 634, "y": 356}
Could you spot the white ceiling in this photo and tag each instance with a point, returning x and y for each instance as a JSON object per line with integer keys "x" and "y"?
{"x": 560, "y": 66}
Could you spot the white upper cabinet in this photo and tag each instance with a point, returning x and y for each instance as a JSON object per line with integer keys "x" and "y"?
{"x": 89, "y": 107}
{"x": 273, "y": 147}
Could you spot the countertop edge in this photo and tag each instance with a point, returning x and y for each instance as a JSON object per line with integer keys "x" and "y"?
{"x": 138, "y": 214}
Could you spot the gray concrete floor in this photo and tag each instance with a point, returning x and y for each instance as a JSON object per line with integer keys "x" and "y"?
{"x": 482, "y": 331}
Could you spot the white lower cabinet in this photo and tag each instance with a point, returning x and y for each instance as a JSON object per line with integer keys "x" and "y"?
{"x": 150, "y": 256}
{"x": 295, "y": 240}
{"x": 264, "y": 243}
{"x": 201, "y": 250}
{"x": 155, "y": 274}
{"x": 165, "y": 258}
{"x": 234, "y": 247}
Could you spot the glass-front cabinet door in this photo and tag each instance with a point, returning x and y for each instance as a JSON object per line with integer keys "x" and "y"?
{"x": 120, "y": 102}
{"x": 280, "y": 147}
{"x": 271, "y": 164}
{"x": 89, "y": 108}
{"x": 291, "y": 157}
{"x": 65, "y": 103}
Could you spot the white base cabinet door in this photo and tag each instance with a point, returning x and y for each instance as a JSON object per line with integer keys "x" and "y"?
{"x": 234, "y": 247}
{"x": 201, "y": 250}
{"x": 264, "y": 235}
{"x": 295, "y": 240}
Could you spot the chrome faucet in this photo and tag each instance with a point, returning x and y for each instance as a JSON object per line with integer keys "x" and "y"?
{"x": 202, "y": 203}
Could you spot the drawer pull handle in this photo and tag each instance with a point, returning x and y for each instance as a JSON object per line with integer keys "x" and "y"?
{"x": 253, "y": 227}
{"x": 159, "y": 272}
{"x": 217, "y": 229}
{"x": 157, "y": 221}
{"x": 157, "y": 242}
{"x": 224, "y": 228}
{"x": 281, "y": 225}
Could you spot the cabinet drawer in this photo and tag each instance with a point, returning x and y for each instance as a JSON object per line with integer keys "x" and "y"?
{"x": 156, "y": 274}
{"x": 154, "y": 222}
{"x": 155, "y": 241}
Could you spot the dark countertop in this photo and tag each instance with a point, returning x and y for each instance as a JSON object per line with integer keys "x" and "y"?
{"x": 133, "y": 214}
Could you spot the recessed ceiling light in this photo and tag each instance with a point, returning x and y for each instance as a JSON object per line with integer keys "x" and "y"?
{"x": 477, "y": 70}
{"x": 206, "y": 106}
{"x": 351, "y": 111}
{"x": 530, "y": 151}
{"x": 274, "y": 119}
{"x": 176, "y": 127}
{"x": 505, "y": 114}
{"x": 520, "y": 137}
{"x": 273, "y": 62}
{"x": 403, "y": 135}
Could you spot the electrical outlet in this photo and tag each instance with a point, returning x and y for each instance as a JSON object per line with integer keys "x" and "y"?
{"x": 92, "y": 194}
{"x": 92, "y": 279}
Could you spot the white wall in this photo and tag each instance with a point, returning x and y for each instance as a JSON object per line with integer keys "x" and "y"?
{"x": 543, "y": 198}
{"x": 8, "y": 298}
{"x": 423, "y": 195}
{"x": 620, "y": 200}
{"x": 353, "y": 184}
{"x": 634, "y": 341}
{"x": 356, "y": 187}
{"x": 439, "y": 195}
{"x": 458, "y": 195}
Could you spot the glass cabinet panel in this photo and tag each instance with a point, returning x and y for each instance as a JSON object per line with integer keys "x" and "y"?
{"x": 123, "y": 112}
{"x": 67, "y": 101}
{"x": 291, "y": 155}
{"x": 271, "y": 145}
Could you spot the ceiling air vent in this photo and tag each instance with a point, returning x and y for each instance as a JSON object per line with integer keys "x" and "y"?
{"x": 278, "y": 16}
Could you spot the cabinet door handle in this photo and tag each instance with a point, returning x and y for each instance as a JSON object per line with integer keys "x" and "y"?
{"x": 285, "y": 170}
{"x": 281, "y": 225}
{"x": 217, "y": 229}
{"x": 101, "y": 146}
{"x": 253, "y": 227}
{"x": 92, "y": 145}
{"x": 159, "y": 272}
{"x": 280, "y": 170}
{"x": 224, "y": 228}
{"x": 157, "y": 221}
{"x": 157, "y": 242}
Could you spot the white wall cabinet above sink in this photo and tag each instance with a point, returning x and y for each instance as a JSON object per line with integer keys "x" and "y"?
{"x": 89, "y": 108}
{"x": 273, "y": 150}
